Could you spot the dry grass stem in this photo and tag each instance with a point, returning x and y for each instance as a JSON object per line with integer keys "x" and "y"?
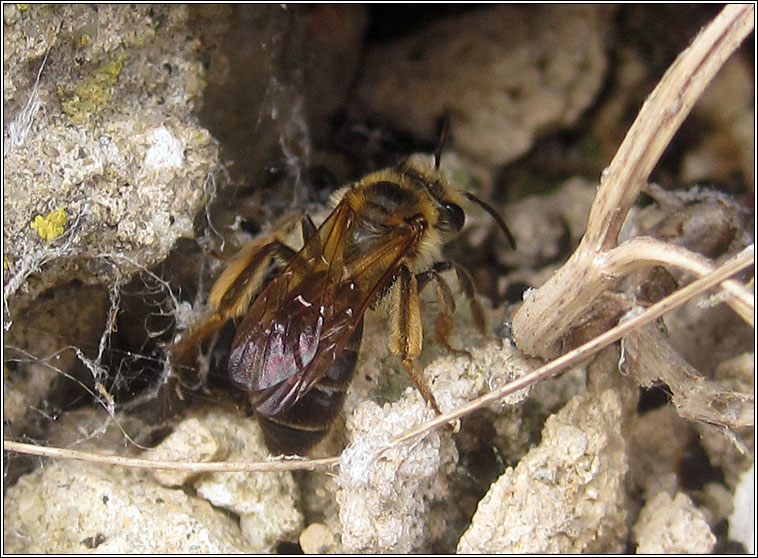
{"x": 549, "y": 313}
{"x": 659, "y": 119}
{"x": 645, "y": 251}
{"x": 288, "y": 464}
{"x": 732, "y": 266}
{"x": 555, "y": 367}
{"x": 648, "y": 353}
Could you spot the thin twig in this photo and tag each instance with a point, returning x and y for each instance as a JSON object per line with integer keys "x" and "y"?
{"x": 550, "y": 311}
{"x": 195, "y": 467}
{"x": 644, "y": 251}
{"x": 679, "y": 297}
{"x": 658, "y": 120}
{"x": 732, "y": 266}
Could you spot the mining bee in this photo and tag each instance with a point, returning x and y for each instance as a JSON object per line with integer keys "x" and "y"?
{"x": 296, "y": 348}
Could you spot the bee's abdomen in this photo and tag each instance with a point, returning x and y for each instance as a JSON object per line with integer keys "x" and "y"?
{"x": 297, "y": 429}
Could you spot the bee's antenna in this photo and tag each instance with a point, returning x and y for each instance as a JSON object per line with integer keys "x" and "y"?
{"x": 444, "y": 131}
{"x": 499, "y": 220}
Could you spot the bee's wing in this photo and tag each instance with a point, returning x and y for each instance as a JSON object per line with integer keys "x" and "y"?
{"x": 300, "y": 323}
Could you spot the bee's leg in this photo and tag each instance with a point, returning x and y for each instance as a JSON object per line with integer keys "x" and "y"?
{"x": 231, "y": 294}
{"x": 444, "y": 323}
{"x": 467, "y": 286}
{"x": 243, "y": 278}
{"x": 406, "y": 333}
{"x": 466, "y": 283}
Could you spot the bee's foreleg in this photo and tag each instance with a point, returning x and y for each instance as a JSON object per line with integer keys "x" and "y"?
{"x": 466, "y": 283}
{"x": 406, "y": 331}
{"x": 444, "y": 323}
{"x": 467, "y": 286}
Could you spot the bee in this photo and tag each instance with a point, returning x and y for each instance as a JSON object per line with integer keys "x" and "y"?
{"x": 296, "y": 347}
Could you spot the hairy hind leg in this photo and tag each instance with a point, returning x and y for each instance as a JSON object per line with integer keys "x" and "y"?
{"x": 235, "y": 288}
{"x": 406, "y": 330}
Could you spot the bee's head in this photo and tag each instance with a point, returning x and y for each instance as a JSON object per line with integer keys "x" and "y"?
{"x": 452, "y": 217}
{"x": 448, "y": 202}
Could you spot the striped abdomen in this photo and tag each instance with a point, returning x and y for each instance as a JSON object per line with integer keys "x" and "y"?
{"x": 301, "y": 426}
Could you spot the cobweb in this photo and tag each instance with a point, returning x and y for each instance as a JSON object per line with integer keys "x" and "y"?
{"x": 86, "y": 366}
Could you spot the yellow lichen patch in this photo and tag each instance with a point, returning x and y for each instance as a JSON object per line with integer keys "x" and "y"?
{"x": 93, "y": 92}
{"x": 52, "y": 225}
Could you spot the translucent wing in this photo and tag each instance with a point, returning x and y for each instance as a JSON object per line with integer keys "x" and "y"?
{"x": 300, "y": 323}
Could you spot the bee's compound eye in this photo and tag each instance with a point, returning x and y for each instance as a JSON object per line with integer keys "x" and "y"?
{"x": 452, "y": 217}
